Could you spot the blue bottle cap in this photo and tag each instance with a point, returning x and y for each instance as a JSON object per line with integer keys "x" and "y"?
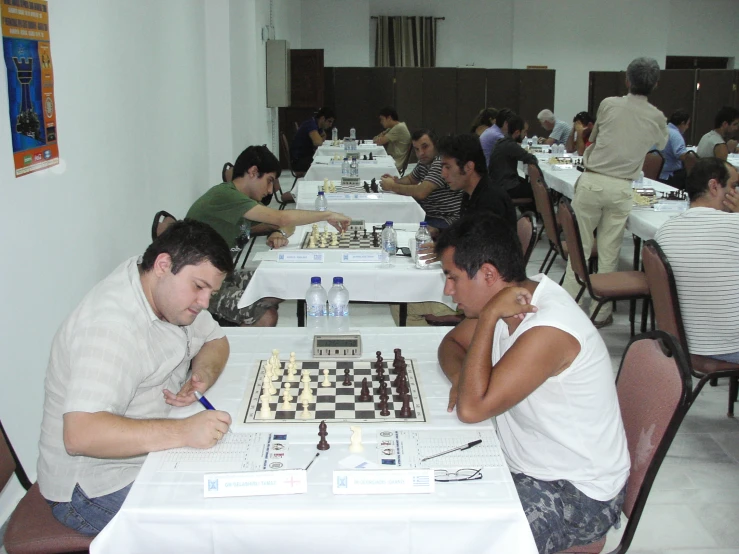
{"x": 388, "y": 224}
{"x": 424, "y": 224}
{"x": 315, "y": 280}
{"x": 338, "y": 280}
{"x": 320, "y": 193}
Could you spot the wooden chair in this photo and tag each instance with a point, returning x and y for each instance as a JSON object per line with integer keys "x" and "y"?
{"x": 545, "y": 207}
{"x": 227, "y": 173}
{"x": 603, "y": 287}
{"x": 162, "y": 220}
{"x": 526, "y": 228}
{"x": 691, "y": 158}
{"x": 285, "y": 148}
{"x": 32, "y": 528}
{"x": 653, "y": 164}
{"x": 669, "y": 318}
{"x": 406, "y": 160}
{"x": 653, "y": 387}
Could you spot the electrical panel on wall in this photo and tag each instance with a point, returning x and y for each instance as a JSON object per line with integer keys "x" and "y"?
{"x": 278, "y": 74}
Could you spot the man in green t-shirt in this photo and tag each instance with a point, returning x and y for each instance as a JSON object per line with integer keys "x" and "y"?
{"x": 396, "y": 138}
{"x": 232, "y": 209}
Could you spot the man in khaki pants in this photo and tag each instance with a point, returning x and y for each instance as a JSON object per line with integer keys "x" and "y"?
{"x": 626, "y": 129}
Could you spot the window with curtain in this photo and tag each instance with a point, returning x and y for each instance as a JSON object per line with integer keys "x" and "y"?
{"x": 405, "y": 42}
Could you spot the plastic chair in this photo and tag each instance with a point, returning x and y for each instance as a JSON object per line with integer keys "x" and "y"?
{"x": 162, "y": 220}
{"x": 32, "y": 529}
{"x": 653, "y": 386}
{"x": 669, "y": 318}
{"x": 603, "y": 287}
{"x": 653, "y": 164}
{"x": 526, "y": 228}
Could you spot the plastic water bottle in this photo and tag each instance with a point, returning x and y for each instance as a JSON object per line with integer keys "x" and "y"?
{"x": 354, "y": 168}
{"x": 315, "y": 305}
{"x": 321, "y": 202}
{"x": 345, "y": 168}
{"x": 334, "y": 134}
{"x": 389, "y": 244}
{"x": 352, "y": 133}
{"x": 338, "y": 306}
{"x": 422, "y": 237}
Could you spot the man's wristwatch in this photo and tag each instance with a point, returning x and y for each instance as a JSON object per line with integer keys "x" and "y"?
{"x": 283, "y": 233}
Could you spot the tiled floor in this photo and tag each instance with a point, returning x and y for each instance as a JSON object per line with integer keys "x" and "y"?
{"x": 693, "y": 505}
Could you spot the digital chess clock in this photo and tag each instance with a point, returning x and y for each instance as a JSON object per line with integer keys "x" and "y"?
{"x": 337, "y": 346}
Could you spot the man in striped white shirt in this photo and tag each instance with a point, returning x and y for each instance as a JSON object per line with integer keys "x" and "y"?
{"x": 702, "y": 246}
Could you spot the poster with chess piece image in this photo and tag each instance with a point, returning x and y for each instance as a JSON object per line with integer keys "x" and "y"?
{"x": 30, "y": 78}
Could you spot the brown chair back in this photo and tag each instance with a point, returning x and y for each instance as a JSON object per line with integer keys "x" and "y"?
{"x": 227, "y": 173}
{"x": 526, "y": 228}
{"x": 653, "y": 163}
{"x": 162, "y": 220}
{"x": 9, "y": 463}
{"x": 689, "y": 161}
{"x": 574, "y": 242}
{"x": 543, "y": 201}
{"x": 406, "y": 160}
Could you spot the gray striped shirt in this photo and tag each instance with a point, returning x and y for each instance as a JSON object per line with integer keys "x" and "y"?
{"x": 443, "y": 203}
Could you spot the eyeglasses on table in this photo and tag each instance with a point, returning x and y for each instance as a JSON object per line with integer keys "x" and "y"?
{"x": 444, "y": 476}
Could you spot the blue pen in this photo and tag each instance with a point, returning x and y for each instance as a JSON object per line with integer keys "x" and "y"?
{"x": 206, "y": 404}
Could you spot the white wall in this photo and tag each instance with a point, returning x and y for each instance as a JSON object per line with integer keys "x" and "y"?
{"x": 705, "y": 28}
{"x": 341, "y": 28}
{"x": 130, "y": 97}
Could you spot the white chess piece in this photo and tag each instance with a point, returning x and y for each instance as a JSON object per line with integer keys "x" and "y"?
{"x": 267, "y": 386}
{"x": 305, "y": 414}
{"x": 265, "y": 411}
{"x": 305, "y": 377}
{"x": 355, "y": 444}
{"x": 307, "y": 394}
{"x": 292, "y": 357}
{"x": 334, "y": 240}
{"x": 312, "y": 242}
{"x": 325, "y": 185}
{"x": 276, "y": 359}
{"x": 286, "y": 396}
{"x": 326, "y": 382}
{"x": 292, "y": 372}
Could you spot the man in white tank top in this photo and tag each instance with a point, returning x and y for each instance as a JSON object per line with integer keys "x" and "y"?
{"x": 530, "y": 357}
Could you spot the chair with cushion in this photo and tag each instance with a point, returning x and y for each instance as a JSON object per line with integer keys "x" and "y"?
{"x": 669, "y": 318}
{"x": 603, "y": 287}
{"x": 653, "y": 163}
{"x": 545, "y": 207}
{"x": 32, "y": 529}
{"x": 653, "y": 387}
{"x": 526, "y": 228}
{"x": 162, "y": 220}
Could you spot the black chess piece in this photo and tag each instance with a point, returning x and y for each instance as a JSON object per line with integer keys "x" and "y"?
{"x": 366, "y": 187}
{"x": 364, "y": 157}
{"x": 380, "y": 371}
{"x": 373, "y": 185}
{"x": 399, "y": 378}
{"x": 356, "y": 234}
{"x": 384, "y": 411}
{"x": 364, "y": 394}
{"x": 405, "y": 411}
{"x": 365, "y": 233}
{"x": 322, "y": 432}
{"x": 382, "y": 388}
{"x": 347, "y": 380}
{"x": 371, "y": 158}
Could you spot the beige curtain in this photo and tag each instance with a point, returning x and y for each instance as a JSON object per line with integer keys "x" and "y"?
{"x": 405, "y": 42}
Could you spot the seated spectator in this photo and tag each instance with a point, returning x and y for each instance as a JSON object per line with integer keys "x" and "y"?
{"x": 309, "y": 136}
{"x": 395, "y": 138}
{"x": 673, "y": 172}
{"x": 702, "y": 246}
{"x": 483, "y": 120}
{"x": 491, "y": 136}
{"x": 579, "y": 139}
{"x": 503, "y": 167}
{"x": 558, "y": 130}
{"x": 713, "y": 143}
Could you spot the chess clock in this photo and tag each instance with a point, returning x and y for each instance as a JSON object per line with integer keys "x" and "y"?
{"x": 337, "y": 346}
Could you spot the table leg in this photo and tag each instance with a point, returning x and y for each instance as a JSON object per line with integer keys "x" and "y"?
{"x": 402, "y": 314}
{"x": 301, "y": 313}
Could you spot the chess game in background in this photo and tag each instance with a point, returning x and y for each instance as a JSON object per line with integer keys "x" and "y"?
{"x": 337, "y": 402}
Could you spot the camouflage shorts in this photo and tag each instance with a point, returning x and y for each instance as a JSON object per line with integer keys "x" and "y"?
{"x": 224, "y": 304}
{"x": 561, "y": 516}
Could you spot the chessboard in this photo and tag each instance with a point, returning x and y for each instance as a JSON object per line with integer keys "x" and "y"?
{"x": 352, "y": 240}
{"x": 349, "y": 188}
{"x": 336, "y": 402}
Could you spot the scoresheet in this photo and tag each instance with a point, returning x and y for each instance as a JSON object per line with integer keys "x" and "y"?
{"x": 235, "y": 452}
{"x": 406, "y": 449}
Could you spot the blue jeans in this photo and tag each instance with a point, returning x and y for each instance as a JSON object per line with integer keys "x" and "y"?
{"x": 437, "y": 222}
{"x": 87, "y": 515}
{"x": 732, "y": 358}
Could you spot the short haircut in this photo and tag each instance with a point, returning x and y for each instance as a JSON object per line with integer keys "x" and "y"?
{"x": 515, "y": 123}
{"x": 728, "y": 114}
{"x": 643, "y": 74}
{"x": 464, "y": 148}
{"x": 679, "y": 117}
{"x": 481, "y": 239}
{"x": 502, "y": 116}
{"x": 705, "y": 169}
{"x": 485, "y": 117}
{"x": 259, "y": 156}
{"x": 418, "y": 135}
{"x": 546, "y": 115}
{"x": 583, "y": 117}
{"x": 190, "y": 242}
{"x": 389, "y": 111}
{"x": 326, "y": 112}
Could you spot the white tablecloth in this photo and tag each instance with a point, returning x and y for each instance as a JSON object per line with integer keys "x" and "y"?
{"x": 166, "y": 512}
{"x": 369, "y": 282}
{"x": 733, "y": 159}
{"x": 383, "y": 206}
{"x": 324, "y": 167}
{"x": 327, "y": 150}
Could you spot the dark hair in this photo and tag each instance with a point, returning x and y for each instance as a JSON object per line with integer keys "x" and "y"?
{"x": 485, "y": 117}
{"x": 515, "y": 123}
{"x": 679, "y": 117}
{"x": 584, "y": 117}
{"x": 389, "y": 111}
{"x": 703, "y": 171}
{"x": 418, "y": 135}
{"x": 503, "y": 116}
{"x": 326, "y": 112}
{"x": 259, "y": 156}
{"x": 190, "y": 242}
{"x": 728, "y": 114}
{"x": 484, "y": 238}
{"x": 463, "y": 148}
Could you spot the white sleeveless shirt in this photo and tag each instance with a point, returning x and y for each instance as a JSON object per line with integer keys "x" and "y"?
{"x": 570, "y": 427}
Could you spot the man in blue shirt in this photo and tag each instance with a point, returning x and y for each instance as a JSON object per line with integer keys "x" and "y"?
{"x": 673, "y": 172}
{"x": 493, "y": 134}
{"x": 309, "y": 136}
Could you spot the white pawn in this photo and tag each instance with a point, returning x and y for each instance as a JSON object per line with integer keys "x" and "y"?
{"x": 292, "y": 373}
{"x": 307, "y": 394}
{"x": 292, "y": 358}
{"x": 276, "y": 358}
{"x": 305, "y": 414}
{"x": 314, "y": 229}
{"x": 334, "y": 240}
{"x": 325, "y": 382}
{"x": 265, "y": 411}
{"x": 325, "y": 185}
{"x": 355, "y": 444}
{"x": 286, "y": 396}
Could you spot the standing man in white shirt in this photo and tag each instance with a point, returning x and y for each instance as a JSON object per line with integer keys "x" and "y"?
{"x": 119, "y": 363}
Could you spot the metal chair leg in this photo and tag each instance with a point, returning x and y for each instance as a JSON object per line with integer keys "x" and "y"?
{"x": 733, "y": 389}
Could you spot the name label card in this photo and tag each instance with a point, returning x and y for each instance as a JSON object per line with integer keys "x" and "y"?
{"x": 255, "y": 483}
{"x": 301, "y": 257}
{"x": 395, "y": 481}
{"x": 362, "y": 257}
